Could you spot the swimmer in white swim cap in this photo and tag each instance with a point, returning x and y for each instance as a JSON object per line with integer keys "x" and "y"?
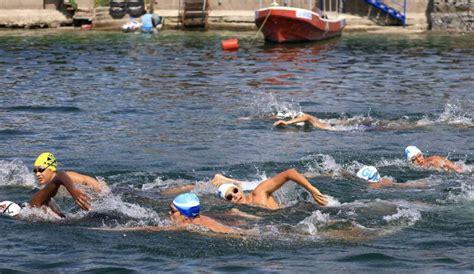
{"x": 371, "y": 174}
{"x": 261, "y": 196}
{"x": 413, "y": 154}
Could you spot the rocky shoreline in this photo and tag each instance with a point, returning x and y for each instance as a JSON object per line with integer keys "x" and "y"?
{"x": 452, "y": 15}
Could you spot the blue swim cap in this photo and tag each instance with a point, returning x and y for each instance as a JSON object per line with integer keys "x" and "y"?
{"x": 187, "y": 204}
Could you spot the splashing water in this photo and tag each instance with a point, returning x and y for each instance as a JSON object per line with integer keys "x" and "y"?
{"x": 42, "y": 214}
{"x": 311, "y": 223}
{"x": 404, "y": 216}
{"x": 114, "y": 203}
{"x": 16, "y": 173}
{"x": 321, "y": 164}
{"x": 454, "y": 113}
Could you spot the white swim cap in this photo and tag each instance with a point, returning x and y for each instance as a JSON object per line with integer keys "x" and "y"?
{"x": 369, "y": 173}
{"x": 223, "y": 189}
{"x": 9, "y": 208}
{"x": 411, "y": 151}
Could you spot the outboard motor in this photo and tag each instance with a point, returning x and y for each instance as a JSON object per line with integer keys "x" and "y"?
{"x": 118, "y": 8}
{"x": 136, "y": 8}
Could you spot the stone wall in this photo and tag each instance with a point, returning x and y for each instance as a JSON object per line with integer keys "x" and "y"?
{"x": 452, "y": 15}
{"x": 22, "y": 4}
{"x": 30, "y": 4}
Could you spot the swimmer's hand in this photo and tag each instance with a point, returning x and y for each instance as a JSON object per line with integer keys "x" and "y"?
{"x": 280, "y": 123}
{"x": 319, "y": 198}
{"x": 81, "y": 199}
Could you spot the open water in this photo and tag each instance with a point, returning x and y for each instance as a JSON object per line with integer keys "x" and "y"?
{"x": 145, "y": 113}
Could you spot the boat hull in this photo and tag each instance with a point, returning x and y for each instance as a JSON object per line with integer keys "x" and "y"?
{"x": 282, "y": 24}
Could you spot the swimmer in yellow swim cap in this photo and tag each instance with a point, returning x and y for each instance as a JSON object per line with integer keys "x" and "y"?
{"x": 45, "y": 170}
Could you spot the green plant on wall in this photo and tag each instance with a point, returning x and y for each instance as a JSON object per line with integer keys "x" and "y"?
{"x": 72, "y": 3}
{"x": 102, "y": 3}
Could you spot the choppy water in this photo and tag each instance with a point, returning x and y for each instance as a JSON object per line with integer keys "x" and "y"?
{"x": 148, "y": 112}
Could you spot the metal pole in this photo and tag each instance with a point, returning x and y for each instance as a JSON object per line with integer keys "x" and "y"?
{"x": 405, "y": 13}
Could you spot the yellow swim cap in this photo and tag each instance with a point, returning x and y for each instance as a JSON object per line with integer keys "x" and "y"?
{"x": 47, "y": 159}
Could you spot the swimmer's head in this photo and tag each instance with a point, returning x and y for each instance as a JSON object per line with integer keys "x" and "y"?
{"x": 187, "y": 204}
{"x": 231, "y": 193}
{"x": 9, "y": 208}
{"x": 45, "y": 168}
{"x": 46, "y": 160}
{"x": 411, "y": 152}
{"x": 369, "y": 173}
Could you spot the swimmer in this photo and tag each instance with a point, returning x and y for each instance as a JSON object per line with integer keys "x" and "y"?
{"x": 302, "y": 118}
{"x": 45, "y": 169}
{"x": 371, "y": 174}
{"x": 44, "y": 198}
{"x": 413, "y": 154}
{"x": 261, "y": 196}
{"x": 184, "y": 212}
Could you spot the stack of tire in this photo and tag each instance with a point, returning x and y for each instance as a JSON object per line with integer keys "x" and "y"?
{"x": 136, "y": 8}
{"x": 118, "y": 8}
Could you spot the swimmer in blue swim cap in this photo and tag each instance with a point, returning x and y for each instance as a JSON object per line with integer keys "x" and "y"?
{"x": 371, "y": 175}
{"x": 413, "y": 154}
{"x": 185, "y": 211}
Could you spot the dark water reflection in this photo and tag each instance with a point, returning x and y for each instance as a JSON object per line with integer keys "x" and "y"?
{"x": 136, "y": 109}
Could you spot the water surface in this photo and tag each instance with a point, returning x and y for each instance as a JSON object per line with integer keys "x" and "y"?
{"x": 145, "y": 113}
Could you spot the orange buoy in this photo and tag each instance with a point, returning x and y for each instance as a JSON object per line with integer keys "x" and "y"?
{"x": 231, "y": 44}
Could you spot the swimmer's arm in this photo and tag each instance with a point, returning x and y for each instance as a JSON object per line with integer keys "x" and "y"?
{"x": 389, "y": 183}
{"x": 271, "y": 185}
{"x": 44, "y": 195}
{"x": 384, "y": 182}
{"x": 237, "y": 212}
{"x": 220, "y": 179}
{"x": 79, "y": 197}
{"x": 140, "y": 228}
{"x": 214, "y": 225}
{"x": 305, "y": 118}
{"x": 176, "y": 190}
{"x": 451, "y": 166}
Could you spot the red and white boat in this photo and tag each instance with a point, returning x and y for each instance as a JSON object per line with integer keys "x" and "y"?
{"x": 287, "y": 24}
